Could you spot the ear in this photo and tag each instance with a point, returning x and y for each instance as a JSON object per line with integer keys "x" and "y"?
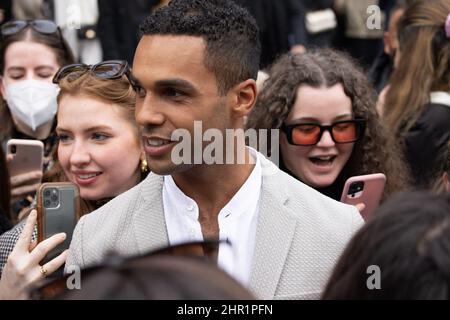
{"x": 243, "y": 98}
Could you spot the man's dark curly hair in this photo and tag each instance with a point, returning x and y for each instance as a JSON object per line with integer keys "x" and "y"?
{"x": 229, "y": 31}
{"x": 326, "y": 67}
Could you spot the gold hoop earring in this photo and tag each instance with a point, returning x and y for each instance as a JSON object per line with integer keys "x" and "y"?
{"x": 144, "y": 166}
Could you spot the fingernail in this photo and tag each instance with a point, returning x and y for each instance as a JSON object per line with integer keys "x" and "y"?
{"x": 63, "y": 235}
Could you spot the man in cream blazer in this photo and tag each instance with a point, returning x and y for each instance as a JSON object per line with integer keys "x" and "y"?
{"x": 300, "y": 233}
{"x": 197, "y": 63}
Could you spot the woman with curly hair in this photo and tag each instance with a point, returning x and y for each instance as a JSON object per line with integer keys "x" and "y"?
{"x": 325, "y": 109}
{"x": 417, "y": 105}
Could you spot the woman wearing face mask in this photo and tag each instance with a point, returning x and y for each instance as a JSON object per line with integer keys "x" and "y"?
{"x": 30, "y": 54}
{"x": 99, "y": 150}
{"x": 323, "y": 96}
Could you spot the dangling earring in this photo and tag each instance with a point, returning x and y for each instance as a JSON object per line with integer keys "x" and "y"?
{"x": 144, "y": 166}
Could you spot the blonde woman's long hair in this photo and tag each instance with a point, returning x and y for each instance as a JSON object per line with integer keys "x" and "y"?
{"x": 424, "y": 64}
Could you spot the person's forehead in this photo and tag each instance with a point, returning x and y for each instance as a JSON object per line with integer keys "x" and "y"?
{"x": 86, "y": 111}
{"x": 24, "y": 53}
{"x": 312, "y": 101}
{"x": 158, "y": 48}
{"x": 169, "y": 55}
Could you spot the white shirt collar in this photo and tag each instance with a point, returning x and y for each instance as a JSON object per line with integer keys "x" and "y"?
{"x": 238, "y": 205}
{"x": 178, "y": 199}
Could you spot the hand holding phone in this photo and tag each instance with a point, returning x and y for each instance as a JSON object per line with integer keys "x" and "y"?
{"x": 58, "y": 211}
{"x": 19, "y": 274}
{"x": 365, "y": 189}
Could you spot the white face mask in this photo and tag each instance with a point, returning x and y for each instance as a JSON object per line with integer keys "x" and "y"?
{"x": 32, "y": 101}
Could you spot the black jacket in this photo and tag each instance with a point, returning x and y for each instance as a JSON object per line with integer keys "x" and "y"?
{"x": 118, "y": 26}
{"x": 5, "y": 224}
{"x": 425, "y": 142}
{"x": 274, "y": 22}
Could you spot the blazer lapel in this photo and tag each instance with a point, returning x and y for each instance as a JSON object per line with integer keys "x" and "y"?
{"x": 149, "y": 224}
{"x": 274, "y": 234}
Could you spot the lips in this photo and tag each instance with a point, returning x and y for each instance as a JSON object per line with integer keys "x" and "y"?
{"x": 152, "y": 142}
{"x": 87, "y": 176}
{"x": 156, "y": 146}
{"x": 323, "y": 161}
{"x": 83, "y": 178}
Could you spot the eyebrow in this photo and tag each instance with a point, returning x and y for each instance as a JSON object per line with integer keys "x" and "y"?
{"x": 177, "y": 83}
{"x": 44, "y": 67}
{"x": 91, "y": 129}
{"x": 14, "y": 68}
{"x": 312, "y": 119}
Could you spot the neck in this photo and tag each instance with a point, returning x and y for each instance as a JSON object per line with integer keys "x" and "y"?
{"x": 41, "y": 133}
{"x": 213, "y": 186}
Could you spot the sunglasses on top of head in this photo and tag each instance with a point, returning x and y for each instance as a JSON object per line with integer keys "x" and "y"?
{"x": 16, "y": 26}
{"x": 111, "y": 69}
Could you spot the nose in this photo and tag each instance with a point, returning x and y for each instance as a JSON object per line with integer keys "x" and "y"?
{"x": 325, "y": 140}
{"x": 32, "y": 75}
{"x": 80, "y": 156}
{"x": 149, "y": 112}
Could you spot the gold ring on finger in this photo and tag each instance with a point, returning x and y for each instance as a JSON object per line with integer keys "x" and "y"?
{"x": 44, "y": 271}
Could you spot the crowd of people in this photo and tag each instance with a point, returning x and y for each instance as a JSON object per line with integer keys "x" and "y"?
{"x": 215, "y": 227}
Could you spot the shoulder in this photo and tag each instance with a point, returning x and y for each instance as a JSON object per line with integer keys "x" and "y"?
{"x": 324, "y": 210}
{"x": 118, "y": 209}
{"x": 116, "y": 217}
{"x": 436, "y": 113}
{"x": 310, "y": 206}
{"x": 110, "y": 227}
{"x": 432, "y": 125}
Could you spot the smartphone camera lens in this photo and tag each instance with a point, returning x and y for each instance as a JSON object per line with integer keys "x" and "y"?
{"x": 13, "y": 149}
{"x": 51, "y": 198}
{"x": 356, "y": 187}
{"x": 54, "y": 196}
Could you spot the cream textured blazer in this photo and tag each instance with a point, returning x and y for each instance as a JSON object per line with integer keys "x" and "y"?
{"x": 299, "y": 238}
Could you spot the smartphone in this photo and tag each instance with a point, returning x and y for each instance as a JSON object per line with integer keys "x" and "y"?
{"x": 28, "y": 156}
{"x": 58, "y": 207}
{"x": 367, "y": 189}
